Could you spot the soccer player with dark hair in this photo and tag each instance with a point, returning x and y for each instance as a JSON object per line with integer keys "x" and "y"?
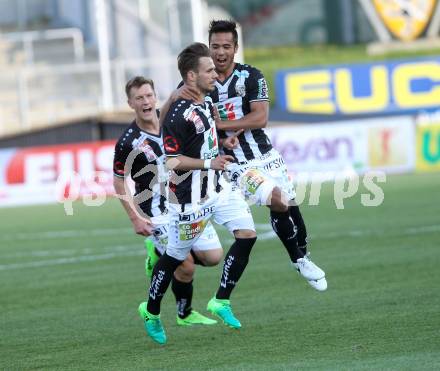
{"x": 241, "y": 97}
{"x": 197, "y": 193}
{"x": 139, "y": 153}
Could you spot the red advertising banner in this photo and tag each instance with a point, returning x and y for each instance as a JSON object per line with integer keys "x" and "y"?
{"x": 48, "y": 173}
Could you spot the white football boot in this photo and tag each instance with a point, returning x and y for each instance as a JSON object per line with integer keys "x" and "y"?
{"x": 314, "y": 275}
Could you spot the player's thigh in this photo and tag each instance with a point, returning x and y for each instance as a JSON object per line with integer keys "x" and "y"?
{"x": 276, "y": 171}
{"x": 208, "y": 248}
{"x": 234, "y": 213}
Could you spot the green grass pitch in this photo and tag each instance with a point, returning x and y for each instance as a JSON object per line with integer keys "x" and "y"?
{"x": 70, "y": 287}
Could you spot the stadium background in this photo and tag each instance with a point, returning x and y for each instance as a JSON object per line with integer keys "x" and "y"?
{"x": 355, "y": 89}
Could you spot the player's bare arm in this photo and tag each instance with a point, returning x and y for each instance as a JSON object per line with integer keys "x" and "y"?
{"x": 185, "y": 163}
{"x": 141, "y": 225}
{"x": 256, "y": 119}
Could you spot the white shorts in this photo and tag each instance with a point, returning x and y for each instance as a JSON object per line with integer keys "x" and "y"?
{"x": 208, "y": 240}
{"x": 257, "y": 178}
{"x": 187, "y": 227}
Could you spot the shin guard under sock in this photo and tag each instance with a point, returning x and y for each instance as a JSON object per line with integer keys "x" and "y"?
{"x": 286, "y": 230}
{"x": 162, "y": 274}
{"x": 234, "y": 265}
{"x": 298, "y": 220}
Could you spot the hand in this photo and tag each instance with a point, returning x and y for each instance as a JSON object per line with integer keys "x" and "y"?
{"x": 142, "y": 226}
{"x": 232, "y": 141}
{"x": 184, "y": 92}
{"x": 220, "y": 162}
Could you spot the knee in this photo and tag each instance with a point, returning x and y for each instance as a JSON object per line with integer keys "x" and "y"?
{"x": 185, "y": 271}
{"x": 210, "y": 258}
{"x": 279, "y": 202}
{"x": 245, "y": 233}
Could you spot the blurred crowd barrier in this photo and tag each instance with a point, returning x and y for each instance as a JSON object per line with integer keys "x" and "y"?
{"x": 38, "y": 96}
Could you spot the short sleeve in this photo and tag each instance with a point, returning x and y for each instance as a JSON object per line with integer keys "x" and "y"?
{"x": 173, "y": 128}
{"x": 119, "y": 159}
{"x": 257, "y": 86}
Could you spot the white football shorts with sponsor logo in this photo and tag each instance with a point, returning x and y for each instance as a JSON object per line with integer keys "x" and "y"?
{"x": 189, "y": 223}
{"x": 257, "y": 178}
{"x": 208, "y": 239}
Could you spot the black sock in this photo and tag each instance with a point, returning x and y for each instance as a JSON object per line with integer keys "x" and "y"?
{"x": 183, "y": 291}
{"x": 234, "y": 265}
{"x": 162, "y": 274}
{"x": 286, "y": 230}
{"x": 301, "y": 235}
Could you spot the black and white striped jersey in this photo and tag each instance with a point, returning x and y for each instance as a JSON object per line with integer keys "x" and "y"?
{"x": 189, "y": 130}
{"x": 140, "y": 154}
{"x": 233, "y": 99}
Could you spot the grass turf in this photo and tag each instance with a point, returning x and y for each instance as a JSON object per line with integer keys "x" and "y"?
{"x": 70, "y": 287}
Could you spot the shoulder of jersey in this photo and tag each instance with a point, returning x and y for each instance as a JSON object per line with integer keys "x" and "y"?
{"x": 180, "y": 104}
{"x": 250, "y": 68}
{"x": 127, "y": 132}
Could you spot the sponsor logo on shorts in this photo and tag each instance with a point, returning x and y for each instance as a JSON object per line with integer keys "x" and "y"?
{"x": 252, "y": 180}
{"x": 191, "y": 230}
{"x": 197, "y": 214}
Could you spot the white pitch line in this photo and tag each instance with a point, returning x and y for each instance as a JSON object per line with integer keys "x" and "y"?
{"x": 71, "y": 260}
{"x": 75, "y": 233}
{"x": 74, "y": 251}
{"x": 124, "y": 251}
{"x": 66, "y": 234}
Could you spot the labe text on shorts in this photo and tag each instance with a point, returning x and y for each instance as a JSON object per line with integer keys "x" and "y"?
{"x": 197, "y": 214}
{"x": 275, "y": 164}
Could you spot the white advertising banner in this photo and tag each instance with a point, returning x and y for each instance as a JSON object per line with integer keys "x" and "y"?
{"x": 375, "y": 144}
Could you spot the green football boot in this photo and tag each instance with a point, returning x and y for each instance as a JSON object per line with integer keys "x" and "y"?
{"x": 153, "y": 325}
{"x": 195, "y": 318}
{"x": 222, "y": 309}
{"x": 152, "y": 257}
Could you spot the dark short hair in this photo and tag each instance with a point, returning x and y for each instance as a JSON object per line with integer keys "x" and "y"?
{"x": 223, "y": 26}
{"x": 137, "y": 82}
{"x": 188, "y": 59}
